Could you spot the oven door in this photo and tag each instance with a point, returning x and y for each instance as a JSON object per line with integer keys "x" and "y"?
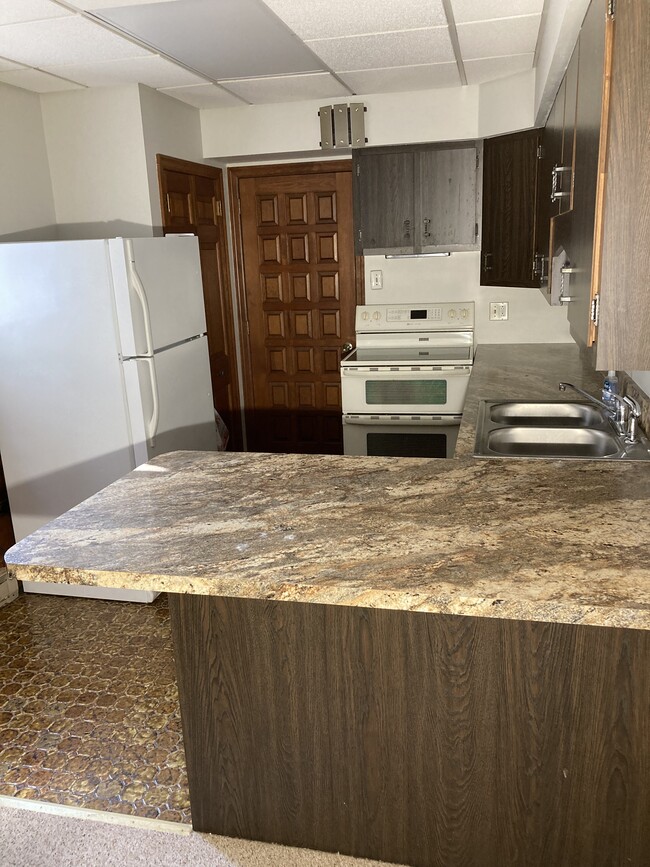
{"x": 395, "y": 391}
{"x": 400, "y": 436}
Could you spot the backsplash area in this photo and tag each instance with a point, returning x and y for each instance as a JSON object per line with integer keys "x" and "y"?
{"x": 457, "y": 278}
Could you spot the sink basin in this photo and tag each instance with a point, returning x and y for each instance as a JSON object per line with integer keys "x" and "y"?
{"x": 552, "y": 442}
{"x": 552, "y": 429}
{"x": 555, "y": 413}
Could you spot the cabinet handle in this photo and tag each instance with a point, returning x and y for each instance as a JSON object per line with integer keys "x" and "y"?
{"x": 486, "y": 257}
{"x": 427, "y": 233}
{"x": 407, "y": 229}
{"x": 564, "y": 299}
{"x": 555, "y": 175}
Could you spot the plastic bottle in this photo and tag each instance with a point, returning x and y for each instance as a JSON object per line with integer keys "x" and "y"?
{"x": 610, "y": 387}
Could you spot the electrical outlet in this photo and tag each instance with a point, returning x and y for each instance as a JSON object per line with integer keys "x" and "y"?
{"x": 498, "y": 310}
{"x": 376, "y": 279}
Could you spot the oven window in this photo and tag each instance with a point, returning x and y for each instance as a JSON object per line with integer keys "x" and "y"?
{"x": 425, "y": 392}
{"x": 407, "y": 445}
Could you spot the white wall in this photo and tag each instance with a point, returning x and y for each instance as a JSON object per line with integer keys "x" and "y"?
{"x": 172, "y": 128}
{"x": 456, "y": 278}
{"x": 507, "y": 104}
{"x": 392, "y": 118}
{"x": 95, "y": 145}
{"x": 27, "y": 211}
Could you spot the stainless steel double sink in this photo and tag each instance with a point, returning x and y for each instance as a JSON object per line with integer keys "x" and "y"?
{"x": 552, "y": 429}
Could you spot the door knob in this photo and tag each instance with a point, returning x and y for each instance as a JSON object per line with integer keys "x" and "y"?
{"x": 347, "y": 347}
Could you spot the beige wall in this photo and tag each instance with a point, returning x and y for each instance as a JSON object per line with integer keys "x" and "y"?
{"x": 172, "y": 128}
{"x": 393, "y": 118}
{"x": 27, "y": 211}
{"x": 95, "y": 145}
{"x": 457, "y": 278}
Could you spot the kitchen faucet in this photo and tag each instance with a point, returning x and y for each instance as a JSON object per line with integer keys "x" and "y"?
{"x": 625, "y": 416}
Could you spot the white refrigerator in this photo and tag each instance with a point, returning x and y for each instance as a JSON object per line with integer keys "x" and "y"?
{"x": 103, "y": 365}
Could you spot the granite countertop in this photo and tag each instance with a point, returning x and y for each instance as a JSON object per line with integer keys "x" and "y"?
{"x": 556, "y": 541}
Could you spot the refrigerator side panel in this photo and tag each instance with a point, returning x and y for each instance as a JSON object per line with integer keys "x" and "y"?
{"x": 185, "y": 413}
{"x": 64, "y": 426}
{"x": 159, "y": 280}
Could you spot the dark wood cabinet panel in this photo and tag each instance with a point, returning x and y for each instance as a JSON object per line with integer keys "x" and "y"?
{"x": 566, "y": 169}
{"x": 447, "y": 183}
{"x": 386, "y": 199}
{"x": 589, "y": 106}
{"x": 417, "y": 199}
{"x": 425, "y": 739}
{"x": 510, "y": 176}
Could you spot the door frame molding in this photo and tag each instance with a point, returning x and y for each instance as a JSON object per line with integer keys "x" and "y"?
{"x": 235, "y": 175}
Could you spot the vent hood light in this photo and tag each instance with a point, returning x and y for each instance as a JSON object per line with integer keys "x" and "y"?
{"x": 414, "y": 255}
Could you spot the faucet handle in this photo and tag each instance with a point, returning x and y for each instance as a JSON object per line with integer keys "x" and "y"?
{"x": 634, "y": 406}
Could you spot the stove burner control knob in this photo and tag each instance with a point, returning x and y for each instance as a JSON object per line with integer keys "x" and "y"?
{"x": 365, "y": 315}
{"x": 452, "y": 314}
{"x": 464, "y": 312}
{"x": 376, "y": 315}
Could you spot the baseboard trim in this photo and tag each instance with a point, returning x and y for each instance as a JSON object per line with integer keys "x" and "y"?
{"x": 96, "y": 815}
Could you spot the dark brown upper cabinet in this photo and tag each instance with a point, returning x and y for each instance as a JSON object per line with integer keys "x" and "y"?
{"x": 509, "y": 252}
{"x": 417, "y": 199}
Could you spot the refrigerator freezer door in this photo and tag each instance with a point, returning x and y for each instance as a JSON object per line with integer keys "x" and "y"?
{"x": 170, "y": 399}
{"x": 158, "y": 289}
{"x": 64, "y": 426}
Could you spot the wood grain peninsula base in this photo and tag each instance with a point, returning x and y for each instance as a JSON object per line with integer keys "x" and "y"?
{"x": 425, "y": 739}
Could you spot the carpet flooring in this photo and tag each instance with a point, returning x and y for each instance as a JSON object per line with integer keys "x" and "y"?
{"x": 37, "y": 839}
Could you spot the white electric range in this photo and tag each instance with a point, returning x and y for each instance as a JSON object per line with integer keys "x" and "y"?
{"x": 404, "y": 386}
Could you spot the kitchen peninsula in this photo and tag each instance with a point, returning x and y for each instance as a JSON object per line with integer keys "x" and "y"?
{"x": 393, "y": 658}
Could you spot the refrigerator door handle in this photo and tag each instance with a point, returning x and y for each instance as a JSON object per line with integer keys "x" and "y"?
{"x": 138, "y": 287}
{"x": 152, "y": 424}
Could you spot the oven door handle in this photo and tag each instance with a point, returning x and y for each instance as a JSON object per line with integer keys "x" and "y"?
{"x": 365, "y": 373}
{"x": 401, "y": 420}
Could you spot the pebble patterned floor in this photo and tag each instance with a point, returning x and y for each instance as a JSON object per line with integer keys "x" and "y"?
{"x": 89, "y": 713}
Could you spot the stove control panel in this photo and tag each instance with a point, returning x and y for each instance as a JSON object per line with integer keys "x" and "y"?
{"x": 422, "y": 317}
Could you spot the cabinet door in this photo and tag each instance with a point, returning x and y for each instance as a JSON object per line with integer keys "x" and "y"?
{"x": 509, "y": 188}
{"x": 386, "y": 201}
{"x": 565, "y": 175}
{"x": 585, "y": 175}
{"x": 447, "y": 213}
{"x": 547, "y": 208}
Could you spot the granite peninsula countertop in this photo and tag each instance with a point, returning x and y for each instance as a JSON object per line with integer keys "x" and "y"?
{"x": 556, "y": 541}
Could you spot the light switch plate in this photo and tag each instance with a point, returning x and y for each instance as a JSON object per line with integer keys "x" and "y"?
{"x": 376, "y": 279}
{"x": 498, "y": 310}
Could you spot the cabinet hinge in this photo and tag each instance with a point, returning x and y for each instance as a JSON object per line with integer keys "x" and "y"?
{"x": 358, "y": 169}
{"x": 359, "y": 234}
{"x": 611, "y": 8}
{"x": 540, "y": 152}
{"x": 477, "y": 159}
{"x": 475, "y": 231}
{"x": 218, "y": 208}
{"x": 595, "y": 309}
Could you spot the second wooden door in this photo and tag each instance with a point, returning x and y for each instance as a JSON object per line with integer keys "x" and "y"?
{"x": 300, "y": 297}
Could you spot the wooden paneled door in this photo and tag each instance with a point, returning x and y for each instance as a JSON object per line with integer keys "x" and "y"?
{"x": 192, "y": 201}
{"x": 298, "y": 295}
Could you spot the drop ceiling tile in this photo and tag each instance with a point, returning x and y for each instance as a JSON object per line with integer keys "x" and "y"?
{"x": 319, "y": 19}
{"x": 34, "y": 79}
{"x": 403, "y": 78}
{"x": 407, "y": 48}
{"x": 484, "y": 10}
{"x": 153, "y": 71}
{"x": 59, "y": 41}
{"x": 203, "y": 96}
{"x": 491, "y": 68}
{"x": 287, "y": 88}
{"x": 16, "y": 11}
{"x": 498, "y": 38}
{"x": 218, "y": 38}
